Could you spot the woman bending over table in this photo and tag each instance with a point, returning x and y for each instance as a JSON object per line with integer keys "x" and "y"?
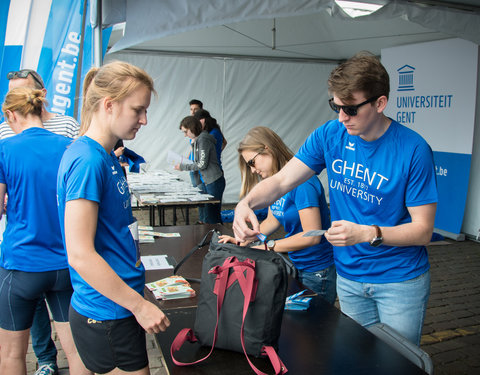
{"x": 261, "y": 154}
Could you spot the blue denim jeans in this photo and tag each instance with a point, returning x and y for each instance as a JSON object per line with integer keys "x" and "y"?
{"x": 202, "y": 210}
{"x": 322, "y": 282}
{"x": 41, "y": 332}
{"x": 212, "y": 213}
{"x": 400, "y": 305}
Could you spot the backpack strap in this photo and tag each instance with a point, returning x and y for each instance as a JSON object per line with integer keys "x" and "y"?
{"x": 201, "y": 244}
{"x": 244, "y": 273}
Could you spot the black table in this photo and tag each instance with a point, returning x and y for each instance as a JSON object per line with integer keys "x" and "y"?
{"x": 321, "y": 340}
{"x": 161, "y": 207}
{"x": 177, "y": 248}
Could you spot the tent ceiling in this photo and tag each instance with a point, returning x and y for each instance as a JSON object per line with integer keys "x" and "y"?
{"x": 319, "y": 31}
{"x": 316, "y": 36}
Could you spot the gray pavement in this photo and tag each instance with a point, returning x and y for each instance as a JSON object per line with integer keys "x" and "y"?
{"x": 451, "y": 333}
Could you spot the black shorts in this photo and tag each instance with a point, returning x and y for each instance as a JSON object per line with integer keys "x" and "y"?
{"x": 106, "y": 345}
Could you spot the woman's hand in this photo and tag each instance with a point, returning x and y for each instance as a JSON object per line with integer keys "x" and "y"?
{"x": 150, "y": 317}
{"x": 226, "y": 239}
{"x": 229, "y": 239}
{"x": 119, "y": 151}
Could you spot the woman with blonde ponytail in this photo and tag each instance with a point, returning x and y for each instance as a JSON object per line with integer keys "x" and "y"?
{"x": 33, "y": 263}
{"x": 261, "y": 154}
{"x": 108, "y": 313}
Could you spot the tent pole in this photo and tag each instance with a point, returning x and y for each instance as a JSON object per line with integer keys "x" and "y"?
{"x": 97, "y": 33}
{"x": 274, "y": 35}
{"x": 80, "y": 63}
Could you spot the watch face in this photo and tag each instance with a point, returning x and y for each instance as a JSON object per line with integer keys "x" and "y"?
{"x": 376, "y": 242}
{"x": 270, "y": 244}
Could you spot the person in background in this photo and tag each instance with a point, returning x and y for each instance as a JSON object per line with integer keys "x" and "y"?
{"x": 118, "y": 151}
{"x": 108, "y": 313}
{"x": 383, "y": 199}
{"x": 56, "y": 123}
{"x": 211, "y": 126}
{"x": 205, "y": 164}
{"x": 33, "y": 263}
{"x": 262, "y": 153}
{"x": 195, "y": 105}
{"x": 41, "y": 329}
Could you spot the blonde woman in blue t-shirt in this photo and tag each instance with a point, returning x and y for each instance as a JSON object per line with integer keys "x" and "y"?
{"x": 261, "y": 154}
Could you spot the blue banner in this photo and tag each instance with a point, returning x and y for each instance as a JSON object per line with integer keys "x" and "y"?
{"x": 60, "y": 56}
{"x": 10, "y": 55}
{"x": 452, "y": 172}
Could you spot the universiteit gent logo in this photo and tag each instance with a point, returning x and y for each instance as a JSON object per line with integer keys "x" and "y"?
{"x": 405, "y": 78}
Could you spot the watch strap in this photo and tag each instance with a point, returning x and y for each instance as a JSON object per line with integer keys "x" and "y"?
{"x": 378, "y": 239}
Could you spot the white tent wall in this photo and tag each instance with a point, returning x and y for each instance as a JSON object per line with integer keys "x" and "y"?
{"x": 471, "y": 219}
{"x": 290, "y": 98}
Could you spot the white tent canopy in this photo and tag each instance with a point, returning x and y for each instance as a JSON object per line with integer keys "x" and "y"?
{"x": 225, "y": 53}
{"x": 311, "y": 29}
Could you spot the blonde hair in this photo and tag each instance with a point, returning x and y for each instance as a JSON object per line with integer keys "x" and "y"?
{"x": 264, "y": 141}
{"x": 25, "y": 101}
{"x": 116, "y": 80}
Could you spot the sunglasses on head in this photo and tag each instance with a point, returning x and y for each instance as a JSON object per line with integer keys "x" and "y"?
{"x": 251, "y": 162}
{"x": 24, "y": 74}
{"x": 349, "y": 110}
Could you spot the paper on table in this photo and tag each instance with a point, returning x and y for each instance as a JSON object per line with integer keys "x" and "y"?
{"x": 155, "y": 262}
{"x": 173, "y": 158}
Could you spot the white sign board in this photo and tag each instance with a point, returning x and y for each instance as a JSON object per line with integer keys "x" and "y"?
{"x": 433, "y": 91}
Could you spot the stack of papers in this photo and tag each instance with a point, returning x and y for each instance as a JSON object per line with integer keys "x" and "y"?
{"x": 297, "y": 302}
{"x": 173, "y": 287}
{"x": 145, "y": 234}
{"x": 159, "y": 186}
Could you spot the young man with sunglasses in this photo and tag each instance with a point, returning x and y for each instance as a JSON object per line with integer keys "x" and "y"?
{"x": 41, "y": 331}
{"x": 382, "y": 199}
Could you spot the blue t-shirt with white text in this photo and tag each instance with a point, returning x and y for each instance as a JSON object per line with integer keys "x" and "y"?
{"x": 87, "y": 171}
{"x": 374, "y": 183}
{"x": 285, "y": 210}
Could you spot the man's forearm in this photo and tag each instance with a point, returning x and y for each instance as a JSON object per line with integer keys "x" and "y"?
{"x": 263, "y": 194}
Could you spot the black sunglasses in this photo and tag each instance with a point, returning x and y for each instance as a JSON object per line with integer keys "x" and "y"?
{"x": 349, "y": 110}
{"x": 24, "y": 74}
{"x": 251, "y": 162}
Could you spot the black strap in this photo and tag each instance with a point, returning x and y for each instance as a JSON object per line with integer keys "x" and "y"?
{"x": 202, "y": 243}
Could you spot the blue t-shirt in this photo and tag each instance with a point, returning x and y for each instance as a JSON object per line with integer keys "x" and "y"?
{"x": 87, "y": 171}
{"x": 32, "y": 241}
{"x": 374, "y": 183}
{"x": 285, "y": 210}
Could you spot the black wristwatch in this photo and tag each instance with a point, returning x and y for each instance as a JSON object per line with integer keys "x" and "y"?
{"x": 271, "y": 245}
{"x": 378, "y": 239}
